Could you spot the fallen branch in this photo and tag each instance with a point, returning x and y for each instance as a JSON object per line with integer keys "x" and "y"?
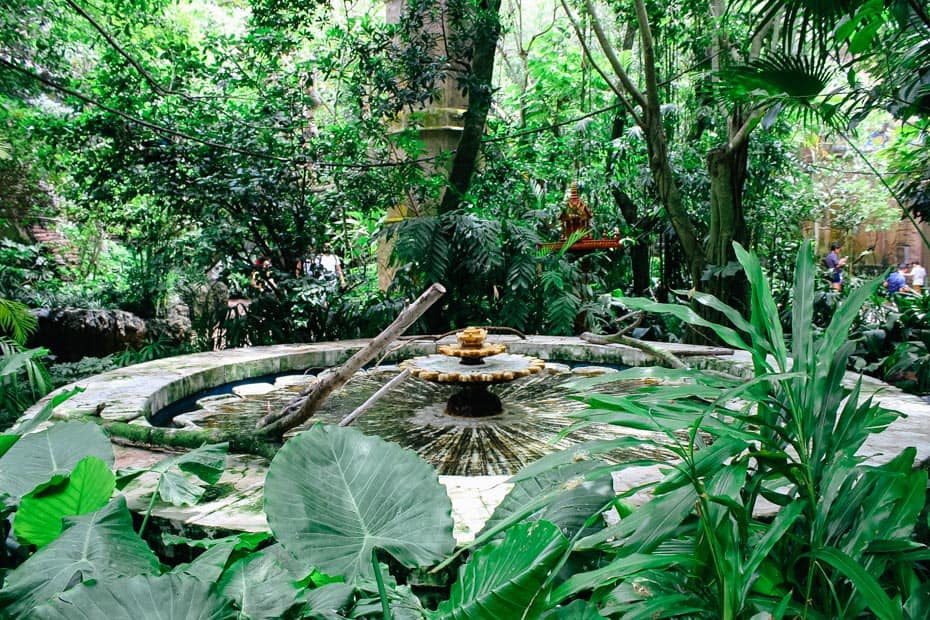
{"x": 165, "y": 437}
{"x": 647, "y": 347}
{"x": 365, "y": 406}
{"x": 309, "y": 401}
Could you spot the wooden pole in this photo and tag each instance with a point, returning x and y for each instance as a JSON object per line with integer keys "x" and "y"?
{"x": 365, "y": 406}
{"x": 304, "y": 406}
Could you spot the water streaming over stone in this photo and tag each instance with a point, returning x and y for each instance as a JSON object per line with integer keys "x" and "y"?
{"x": 535, "y": 410}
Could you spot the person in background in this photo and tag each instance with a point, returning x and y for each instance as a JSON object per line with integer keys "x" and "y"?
{"x": 309, "y": 266}
{"x": 896, "y": 282}
{"x": 261, "y": 275}
{"x": 918, "y": 277}
{"x": 835, "y": 264}
{"x": 332, "y": 267}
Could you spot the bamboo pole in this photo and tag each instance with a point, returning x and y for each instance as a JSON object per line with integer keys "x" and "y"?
{"x": 304, "y": 406}
{"x": 365, "y": 406}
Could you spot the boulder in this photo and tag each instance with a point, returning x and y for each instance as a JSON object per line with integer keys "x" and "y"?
{"x": 73, "y": 333}
{"x": 175, "y": 328}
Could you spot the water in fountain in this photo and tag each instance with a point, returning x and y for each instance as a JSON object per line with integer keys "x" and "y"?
{"x": 535, "y": 409}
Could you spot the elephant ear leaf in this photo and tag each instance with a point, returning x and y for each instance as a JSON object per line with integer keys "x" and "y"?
{"x": 503, "y": 580}
{"x": 175, "y": 484}
{"x": 145, "y": 597}
{"x": 260, "y": 586}
{"x": 37, "y": 457}
{"x": 98, "y": 545}
{"x": 333, "y": 494}
{"x": 38, "y": 520}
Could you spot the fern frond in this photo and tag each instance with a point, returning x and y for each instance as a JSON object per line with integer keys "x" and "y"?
{"x": 16, "y": 320}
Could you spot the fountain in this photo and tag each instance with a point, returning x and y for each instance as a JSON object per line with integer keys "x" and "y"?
{"x": 474, "y": 455}
{"x": 470, "y": 409}
{"x": 480, "y": 364}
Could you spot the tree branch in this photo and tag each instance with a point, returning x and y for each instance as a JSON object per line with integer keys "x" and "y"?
{"x": 587, "y": 52}
{"x": 649, "y": 54}
{"x": 608, "y": 50}
{"x": 158, "y": 88}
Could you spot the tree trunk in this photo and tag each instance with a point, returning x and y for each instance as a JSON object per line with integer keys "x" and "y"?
{"x": 670, "y": 196}
{"x": 480, "y": 89}
{"x": 639, "y": 251}
{"x": 727, "y": 170}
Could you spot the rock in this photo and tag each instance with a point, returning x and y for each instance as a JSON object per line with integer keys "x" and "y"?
{"x": 174, "y": 328}
{"x": 73, "y": 333}
{"x": 208, "y": 302}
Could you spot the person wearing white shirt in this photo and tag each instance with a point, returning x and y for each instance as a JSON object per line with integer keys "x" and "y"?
{"x": 918, "y": 277}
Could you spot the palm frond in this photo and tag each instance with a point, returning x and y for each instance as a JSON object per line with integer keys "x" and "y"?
{"x": 16, "y": 320}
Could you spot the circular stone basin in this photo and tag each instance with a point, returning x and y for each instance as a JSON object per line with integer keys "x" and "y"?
{"x": 535, "y": 410}
{"x": 132, "y": 395}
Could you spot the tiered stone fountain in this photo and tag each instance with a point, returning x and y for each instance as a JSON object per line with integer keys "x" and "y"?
{"x": 474, "y": 364}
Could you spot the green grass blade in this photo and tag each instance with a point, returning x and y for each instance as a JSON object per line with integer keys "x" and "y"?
{"x": 872, "y": 593}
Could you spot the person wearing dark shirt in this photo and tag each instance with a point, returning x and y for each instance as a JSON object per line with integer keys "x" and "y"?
{"x": 835, "y": 264}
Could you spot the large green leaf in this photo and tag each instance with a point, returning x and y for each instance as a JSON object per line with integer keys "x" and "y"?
{"x": 688, "y": 315}
{"x": 145, "y": 597}
{"x": 578, "y": 501}
{"x": 35, "y": 458}
{"x": 332, "y": 494}
{"x": 874, "y": 596}
{"x": 98, "y": 545}
{"x": 175, "y": 485}
{"x": 502, "y": 580}
{"x": 619, "y": 568}
{"x": 577, "y": 610}
{"x": 260, "y": 586}
{"x": 38, "y": 520}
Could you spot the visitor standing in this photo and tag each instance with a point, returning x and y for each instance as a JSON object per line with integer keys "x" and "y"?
{"x": 918, "y": 277}
{"x": 331, "y": 265}
{"x": 261, "y": 275}
{"x": 835, "y": 264}
{"x": 895, "y": 282}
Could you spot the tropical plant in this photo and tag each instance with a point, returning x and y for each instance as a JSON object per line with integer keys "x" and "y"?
{"x": 23, "y": 377}
{"x": 787, "y": 438}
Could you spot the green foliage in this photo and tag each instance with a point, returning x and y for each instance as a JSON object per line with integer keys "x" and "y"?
{"x": 505, "y": 579}
{"x": 100, "y": 545}
{"x": 16, "y": 320}
{"x": 23, "y": 379}
{"x": 38, "y": 457}
{"x": 87, "y": 488}
{"x": 793, "y": 444}
{"x": 175, "y": 483}
{"x": 336, "y": 517}
{"x": 133, "y": 597}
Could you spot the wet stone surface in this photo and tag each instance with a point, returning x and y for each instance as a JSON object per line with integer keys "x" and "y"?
{"x": 535, "y": 410}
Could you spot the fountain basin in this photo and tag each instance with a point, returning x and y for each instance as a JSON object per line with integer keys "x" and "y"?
{"x": 135, "y": 393}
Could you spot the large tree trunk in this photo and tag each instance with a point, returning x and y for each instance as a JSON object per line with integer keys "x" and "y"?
{"x": 670, "y": 196}
{"x": 727, "y": 169}
{"x": 480, "y": 89}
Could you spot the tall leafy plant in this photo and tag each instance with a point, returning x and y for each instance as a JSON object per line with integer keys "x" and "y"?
{"x": 837, "y": 539}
